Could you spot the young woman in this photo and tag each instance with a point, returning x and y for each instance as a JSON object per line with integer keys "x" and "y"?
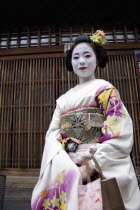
{"x": 89, "y": 119}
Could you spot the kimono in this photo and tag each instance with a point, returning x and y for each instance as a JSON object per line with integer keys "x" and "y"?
{"x": 57, "y": 186}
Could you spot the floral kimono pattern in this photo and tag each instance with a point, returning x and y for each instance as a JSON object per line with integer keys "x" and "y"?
{"x": 57, "y": 187}
{"x": 108, "y": 99}
{"x": 56, "y": 195}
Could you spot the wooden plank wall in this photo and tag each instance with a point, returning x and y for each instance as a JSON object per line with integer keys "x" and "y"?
{"x": 29, "y": 88}
{"x": 28, "y": 91}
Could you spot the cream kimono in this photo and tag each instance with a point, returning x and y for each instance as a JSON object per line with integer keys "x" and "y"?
{"x": 57, "y": 187}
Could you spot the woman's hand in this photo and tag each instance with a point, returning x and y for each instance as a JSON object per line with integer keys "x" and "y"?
{"x": 75, "y": 140}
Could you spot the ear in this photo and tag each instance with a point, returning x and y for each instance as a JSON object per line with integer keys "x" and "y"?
{"x": 97, "y": 63}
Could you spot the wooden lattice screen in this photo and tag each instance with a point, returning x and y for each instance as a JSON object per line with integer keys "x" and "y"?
{"x": 55, "y": 35}
{"x": 28, "y": 91}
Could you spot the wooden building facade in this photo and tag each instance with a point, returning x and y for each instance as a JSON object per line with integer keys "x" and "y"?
{"x": 33, "y": 75}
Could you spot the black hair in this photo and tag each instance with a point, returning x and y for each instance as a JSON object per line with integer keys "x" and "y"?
{"x": 100, "y": 52}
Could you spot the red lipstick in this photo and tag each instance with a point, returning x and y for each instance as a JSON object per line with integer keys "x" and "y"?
{"x": 82, "y": 68}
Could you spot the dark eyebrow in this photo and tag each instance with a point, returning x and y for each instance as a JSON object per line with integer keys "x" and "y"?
{"x": 78, "y": 53}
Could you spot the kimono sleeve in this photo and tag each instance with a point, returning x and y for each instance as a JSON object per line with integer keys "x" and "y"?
{"x": 115, "y": 114}
{"x": 52, "y": 146}
{"x": 117, "y": 130}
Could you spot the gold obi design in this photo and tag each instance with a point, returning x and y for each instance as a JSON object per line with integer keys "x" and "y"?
{"x": 84, "y": 124}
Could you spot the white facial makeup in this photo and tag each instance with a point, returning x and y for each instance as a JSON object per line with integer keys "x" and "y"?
{"x": 84, "y": 61}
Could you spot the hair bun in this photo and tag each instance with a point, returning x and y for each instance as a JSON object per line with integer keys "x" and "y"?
{"x": 102, "y": 56}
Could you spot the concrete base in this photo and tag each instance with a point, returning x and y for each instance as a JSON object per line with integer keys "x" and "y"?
{"x": 17, "y": 205}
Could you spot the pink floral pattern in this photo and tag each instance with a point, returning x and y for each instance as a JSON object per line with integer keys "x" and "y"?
{"x": 57, "y": 194}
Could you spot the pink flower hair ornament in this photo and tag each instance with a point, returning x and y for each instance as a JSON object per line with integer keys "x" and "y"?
{"x": 99, "y": 37}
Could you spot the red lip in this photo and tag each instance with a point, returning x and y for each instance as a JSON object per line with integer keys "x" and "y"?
{"x": 82, "y": 68}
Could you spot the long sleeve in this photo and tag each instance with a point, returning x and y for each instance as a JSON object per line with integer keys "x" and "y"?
{"x": 115, "y": 114}
{"x": 117, "y": 130}
{"x": 116, "y": 143}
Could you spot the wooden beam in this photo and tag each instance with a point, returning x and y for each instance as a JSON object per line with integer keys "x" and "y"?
{"x": 60, "y": 49}
{"x": 120, "y": 46}
{"x": 19, "y": 172}
{"x": 27, "y": 56}
{"x": 32, "y": 50}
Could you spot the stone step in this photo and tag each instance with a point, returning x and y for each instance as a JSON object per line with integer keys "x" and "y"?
{"x": 17, "y": 204}
{"x": 20, "y": 182}
{"x": 19, "y": 187}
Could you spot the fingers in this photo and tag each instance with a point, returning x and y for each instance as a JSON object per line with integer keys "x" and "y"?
{"x": 75, "y": 140}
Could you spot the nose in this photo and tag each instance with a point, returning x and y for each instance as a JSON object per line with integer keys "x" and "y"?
{"x": 82, "y": 61}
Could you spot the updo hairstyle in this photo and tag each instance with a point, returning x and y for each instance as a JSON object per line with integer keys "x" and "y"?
{"x": 99, "y": 51}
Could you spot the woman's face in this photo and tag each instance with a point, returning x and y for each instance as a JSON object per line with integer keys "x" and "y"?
{"x": 83, "y": 60}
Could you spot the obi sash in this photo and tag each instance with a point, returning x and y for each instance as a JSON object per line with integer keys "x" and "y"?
{"x": 84, "y": 124}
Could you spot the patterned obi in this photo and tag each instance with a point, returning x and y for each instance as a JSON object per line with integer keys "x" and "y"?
{"x": 84, "y": 124}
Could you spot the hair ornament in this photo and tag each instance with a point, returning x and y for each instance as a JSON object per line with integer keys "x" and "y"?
{"x": 99, "y": 37}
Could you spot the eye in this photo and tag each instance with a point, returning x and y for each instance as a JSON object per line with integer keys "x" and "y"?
{"x": 75, "y": 57}
{"x": 87, "y": 56}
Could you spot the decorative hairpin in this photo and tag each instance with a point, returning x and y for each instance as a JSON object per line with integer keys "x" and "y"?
{"x": 99, "y": 37}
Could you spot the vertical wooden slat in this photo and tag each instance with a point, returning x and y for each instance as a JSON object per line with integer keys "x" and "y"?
{"x": 39, "y": 38}
{"x": 25, "y": 114}
{"x": 126, "y": 85}
{"x": 114, "y": 33}
{"x": 107, "y": 72}
{"x": 18, "y": 104}
{"x": 9, "y": 111}
{"x": 32, "y": 140}
{"x": 20, "y": 134}
{"x": 60, "y": 36}
{"x": 45, "y": 105}
{"x": 47, "y": 88}
{"x": 29, "y": 112}
{"x": 40, "y": 76}
{"x": 120, "y": 78}
{"x": 130, "y": 87}
{"x": 35, "y": 137}
{"x": 14, "y": 143}
{"x": 7, "y": 43}
{"x": 50, "y": 86}
{"x": 53, "y": 87}
{"x": 125, "y": 33}
{"x": 10, "y": 99}
{"x": 28, "y": 37}
{"x": 49, "y": 36}
{"x": 5, "y": 113}
{"x": 2, "y": 111}
{"x": 5, "y": 122}
{"x": 114, "y": 68}
{"x": 63, "y": 76}
{"x": 18, "y": 36}
{"x": 136, "y": 33}
{"x": 111, "y": 70}
{"x": 69, "y": 80}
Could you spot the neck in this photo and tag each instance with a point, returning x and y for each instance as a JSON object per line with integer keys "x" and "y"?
{"x": 85, "y": 79}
